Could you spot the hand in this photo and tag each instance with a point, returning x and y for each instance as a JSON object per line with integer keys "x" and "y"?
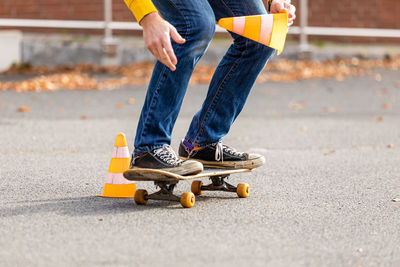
{"x": 157, "y": 34}
{"x": 277, "y": 6}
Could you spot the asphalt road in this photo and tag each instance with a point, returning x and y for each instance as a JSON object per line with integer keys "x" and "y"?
{"x": 324, "y": 197}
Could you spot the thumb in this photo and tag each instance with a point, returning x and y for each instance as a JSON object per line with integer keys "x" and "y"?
{"x": 279, "y": 6}
{"x": 176, "y": 36}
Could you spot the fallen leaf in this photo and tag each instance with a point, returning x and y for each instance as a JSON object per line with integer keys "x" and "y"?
{"x": 330, "y": 109}
{"x": 382, "y": 91}
{"x": 379, "y": 119}
{"x": 119, "y": 105}
{"x": 304, "y": 128}
{"x": 339, "y": 77}
{"x": 378, "y": 77}
{"x": 88, "y": 101}
{"x": 355, "y": 61}
{"x": 23, "y": 109}
{"x": 386, "y": 106}
{"x": 271, "y": 92}
{"x": 84, "y": 117}
{"x": 296, "y": 106}
{"x": 329, "y": 152}
{"x": 131, "y": 101}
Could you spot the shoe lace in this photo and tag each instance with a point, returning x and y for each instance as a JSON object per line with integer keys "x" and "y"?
{"x": 167, "y": 154}
{"x": 219, "y": 152}
{"x": 220, "y": 149}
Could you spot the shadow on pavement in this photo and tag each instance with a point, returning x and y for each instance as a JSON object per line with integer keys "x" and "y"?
{"x": 91, "y": 205}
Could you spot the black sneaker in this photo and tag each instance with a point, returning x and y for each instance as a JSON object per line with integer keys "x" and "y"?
{"x": 165, "y": 158}
{"x": 218, "y": 155}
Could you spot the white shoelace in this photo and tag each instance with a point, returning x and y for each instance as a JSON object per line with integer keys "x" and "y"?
{"x": 167, "y": 154}
{"x": 219, "y": 151}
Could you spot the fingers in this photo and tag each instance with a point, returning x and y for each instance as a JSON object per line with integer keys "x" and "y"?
{"x": 176, "y": 36}
{"x": 167, "y": 56}
{"x": 279, "y": 6}
{"x": 153, "y": 49}
{"x": 161, "y": 49}
{"x": 170, "y": 52}
{"x": 157, "y": 34}
{"x": 291, "y": 10}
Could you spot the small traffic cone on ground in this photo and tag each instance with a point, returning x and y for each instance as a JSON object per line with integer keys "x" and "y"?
{"x": 116, "y": 185}
{"x": 268, "y": 29}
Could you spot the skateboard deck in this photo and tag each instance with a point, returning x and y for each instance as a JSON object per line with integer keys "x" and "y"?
{"x": 142, "y": 174}
{"x": 168, "y": 180}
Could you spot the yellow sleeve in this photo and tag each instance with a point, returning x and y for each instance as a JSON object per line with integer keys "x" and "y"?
{"x": 140, "y": 8}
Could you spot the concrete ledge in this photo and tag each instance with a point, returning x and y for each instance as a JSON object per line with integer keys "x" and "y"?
{"x": 69, "y": 49}
{"x": 10, "y": 47}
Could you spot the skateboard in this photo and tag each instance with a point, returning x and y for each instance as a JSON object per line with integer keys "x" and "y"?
{"x": 167, "y": 181}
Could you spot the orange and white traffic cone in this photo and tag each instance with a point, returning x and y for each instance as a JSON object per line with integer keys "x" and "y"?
{"x": 268, "y": 29}
{"x": 116, "y": 185}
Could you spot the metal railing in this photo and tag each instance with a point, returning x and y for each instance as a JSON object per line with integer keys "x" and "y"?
{"x": 108, "y": 26}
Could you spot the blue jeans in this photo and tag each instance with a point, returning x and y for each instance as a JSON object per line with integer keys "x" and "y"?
{"x": 230, "y": 84}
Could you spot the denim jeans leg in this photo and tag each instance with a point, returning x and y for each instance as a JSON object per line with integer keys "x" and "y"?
{"x": 233, "y": 78}
{"x": 195, "y": 21}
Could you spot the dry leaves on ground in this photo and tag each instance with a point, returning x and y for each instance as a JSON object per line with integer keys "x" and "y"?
{"x": 23, "y": 109}
{"x": 82, "y": 77}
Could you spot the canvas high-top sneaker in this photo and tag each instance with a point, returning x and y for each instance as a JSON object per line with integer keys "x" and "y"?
{"x": 165, "y": 158}
{"x": 218, "y": 155}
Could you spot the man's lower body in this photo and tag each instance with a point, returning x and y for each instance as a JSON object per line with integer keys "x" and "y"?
{"x": 227, "y": 93}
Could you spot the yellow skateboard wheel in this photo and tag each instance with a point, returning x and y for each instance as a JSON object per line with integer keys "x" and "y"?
{"x": 140, "y": 197}
{"x": 243, "y": 190}
{"x": 196, "y": 187}
{"x": 188, "y": 199}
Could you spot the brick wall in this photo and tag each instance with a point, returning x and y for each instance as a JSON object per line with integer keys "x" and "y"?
{"x": 65, "y": 10}
{"x": 339, "y": 13}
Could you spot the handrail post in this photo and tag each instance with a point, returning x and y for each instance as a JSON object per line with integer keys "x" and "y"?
{"x": 304, "y": 46}
{"x": 109, "y": 42}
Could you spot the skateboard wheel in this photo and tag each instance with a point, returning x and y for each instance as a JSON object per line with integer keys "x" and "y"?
{"x": 141, "y": 197}
{"x": 188, "y": 199}
{"x": 243, "y": 190}
{"x": 196, "y": 187}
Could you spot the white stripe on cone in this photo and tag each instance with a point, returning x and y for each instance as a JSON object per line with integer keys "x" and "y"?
{"x": 239, "y": 24}
{"x": 266, "y": 29}
{"x": 116, "y": 178}
{"x": 121, "y": 152}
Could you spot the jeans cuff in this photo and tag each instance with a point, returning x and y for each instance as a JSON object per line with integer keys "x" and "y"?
{"x": 190, "y": 145}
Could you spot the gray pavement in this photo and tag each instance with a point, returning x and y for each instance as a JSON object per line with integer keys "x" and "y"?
{"x": 324, "y": 197}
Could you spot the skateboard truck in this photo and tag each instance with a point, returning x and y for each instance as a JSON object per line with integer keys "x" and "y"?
{"x": 218, "y": 183}
{"x": 166, "y": 192}
{"x": 167, "y": 182}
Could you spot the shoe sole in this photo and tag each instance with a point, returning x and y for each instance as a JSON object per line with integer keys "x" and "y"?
{"x": 192, "y": 168}
{"x": 248, "y": 164}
